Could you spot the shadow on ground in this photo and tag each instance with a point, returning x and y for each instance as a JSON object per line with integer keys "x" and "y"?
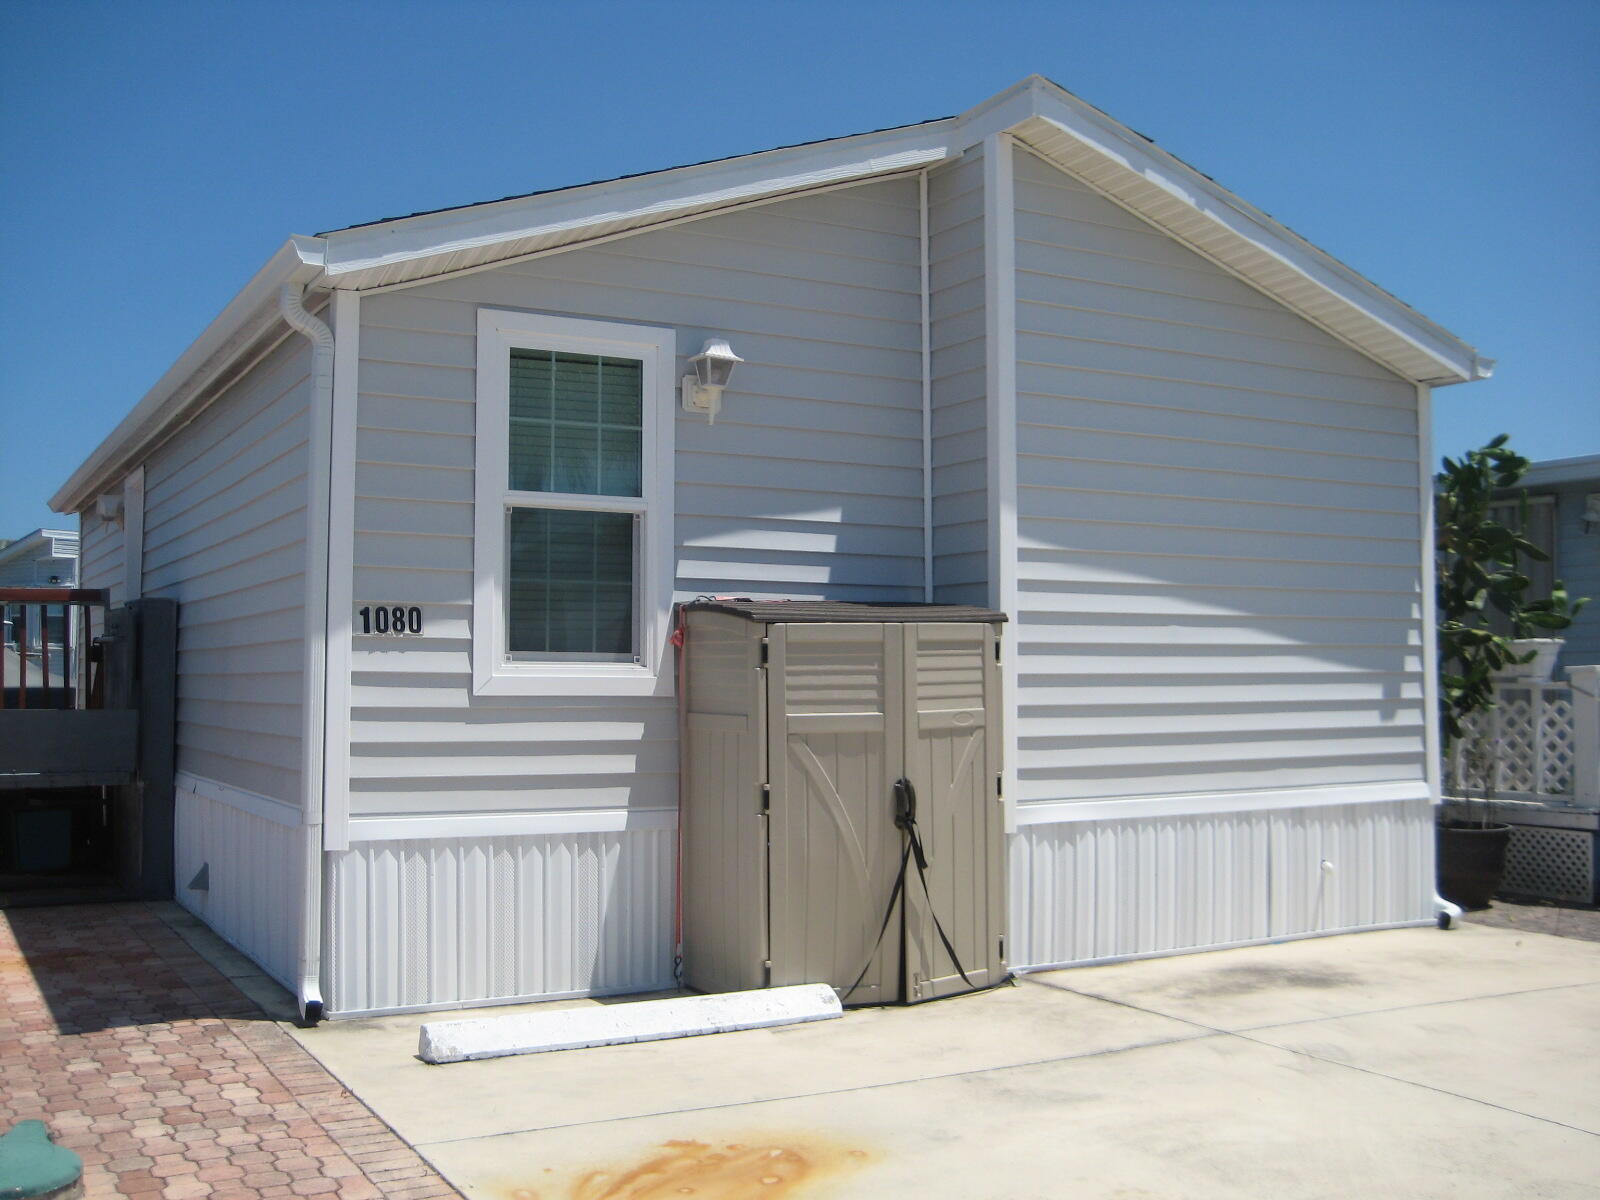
{"x": 106, "y": 966}
{"x": 1558, "y": 919}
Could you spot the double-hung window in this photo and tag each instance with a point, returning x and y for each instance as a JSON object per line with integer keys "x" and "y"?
{"x": 572, "y": 557}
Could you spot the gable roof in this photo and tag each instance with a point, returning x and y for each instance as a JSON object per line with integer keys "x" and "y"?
{"x": 1553, "y": 471}
{"x": 55, "y": 543}
{"x": 1051, "y": 122}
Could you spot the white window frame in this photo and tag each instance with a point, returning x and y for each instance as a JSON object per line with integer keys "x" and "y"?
{"x": 494, "y": 673}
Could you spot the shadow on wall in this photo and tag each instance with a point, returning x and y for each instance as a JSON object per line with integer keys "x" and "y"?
{"x": 1191, "y": 683}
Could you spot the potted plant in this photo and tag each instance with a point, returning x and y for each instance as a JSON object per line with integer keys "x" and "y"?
{"x": 1479, "y": 583}
{"x": 1534, "y": 652}
{"x": 1472, "y": 842}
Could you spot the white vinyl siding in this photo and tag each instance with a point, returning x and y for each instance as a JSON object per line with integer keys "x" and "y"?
{"x": 808, "y": 485}
{"x": 100, "y": 561}
{"x": 1217, "y": 520}
{"x": 956, "y": 311}
{"x": 225, "y": 528}
{"x": 100, "y": 554}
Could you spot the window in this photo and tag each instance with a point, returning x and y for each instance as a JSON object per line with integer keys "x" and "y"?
{"x": 572, "y": 563}
{"x": 1540, "y": 529}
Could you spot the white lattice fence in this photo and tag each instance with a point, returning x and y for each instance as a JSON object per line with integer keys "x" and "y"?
{"x": 1525, "y": 745}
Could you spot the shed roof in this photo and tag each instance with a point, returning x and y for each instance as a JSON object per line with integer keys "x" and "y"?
{"x": 834, "y": 612}
{"x": 1050, "y": 121}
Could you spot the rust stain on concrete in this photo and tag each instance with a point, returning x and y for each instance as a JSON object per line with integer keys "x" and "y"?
{"x": 765, "y": 1168}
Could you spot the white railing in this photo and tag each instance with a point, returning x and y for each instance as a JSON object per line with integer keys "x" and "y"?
{"x": 1540, "y": 742}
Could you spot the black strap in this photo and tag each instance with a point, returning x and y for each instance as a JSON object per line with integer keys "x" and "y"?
{"x": 888, "y": 913}
{"x": 922, "y": 873}
{"x": 905, "y": 819}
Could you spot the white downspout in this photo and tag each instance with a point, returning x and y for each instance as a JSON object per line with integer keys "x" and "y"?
{"x": 1445, "y": 913}
{"x": 308, "y": 966}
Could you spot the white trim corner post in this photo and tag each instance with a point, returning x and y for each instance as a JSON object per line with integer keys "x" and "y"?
{"x": 341, "y": 571}
{"x": 1585, "y": 683}
{"x": 308, "y": 959}
{"x": 1445, "y": 913}
{"x": 1000, "y": 348}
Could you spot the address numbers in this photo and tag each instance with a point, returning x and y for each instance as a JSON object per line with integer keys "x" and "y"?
{"x": 389, "y": 620}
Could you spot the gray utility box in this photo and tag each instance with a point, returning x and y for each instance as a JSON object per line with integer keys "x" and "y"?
{"x": 803, "y": 722}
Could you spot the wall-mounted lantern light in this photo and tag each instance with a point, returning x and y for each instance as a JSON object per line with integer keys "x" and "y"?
{"x": 713, "y": 368}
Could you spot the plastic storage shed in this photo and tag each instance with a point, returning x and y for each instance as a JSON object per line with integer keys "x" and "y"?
{"x": 801, "y": 720}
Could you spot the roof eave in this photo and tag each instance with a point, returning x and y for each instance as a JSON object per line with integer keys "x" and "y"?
{"x": 1162, "y": 189}
{"x": 246, "y": 317}
{"x": 433, "y": 243}
{"x": 1128, "y": 168}
{"x": 1554, "y": 471}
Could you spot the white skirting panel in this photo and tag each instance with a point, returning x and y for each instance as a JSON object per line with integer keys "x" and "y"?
{"x": 445, "y": 922}
{"x": 252, "y": 868}
{"x": 1352, "y": 866}
{"x": 1084, "y": 891}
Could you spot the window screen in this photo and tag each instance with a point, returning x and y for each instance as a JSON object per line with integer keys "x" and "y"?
{"x": 576, "y": 429}
{"x": 576, "y": 423}
{"x": 571, "y": 583}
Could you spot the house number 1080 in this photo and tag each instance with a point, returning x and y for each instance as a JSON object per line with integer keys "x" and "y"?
{"x": 391, "y": 620}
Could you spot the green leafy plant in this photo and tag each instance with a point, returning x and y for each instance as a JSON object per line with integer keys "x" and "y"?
{"x": 1478, "y": 564}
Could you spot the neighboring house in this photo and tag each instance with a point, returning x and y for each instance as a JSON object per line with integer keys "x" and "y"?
{"x": 1563, "y": 519}
{"x": 43, "y": 558}
{"x": 426, "y": 491}
{"x": 46, "y": 558}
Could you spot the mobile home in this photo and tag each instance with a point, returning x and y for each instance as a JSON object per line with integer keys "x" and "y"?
{"x": 428, "y": 490}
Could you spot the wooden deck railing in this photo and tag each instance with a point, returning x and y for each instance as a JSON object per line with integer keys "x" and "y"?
{"x": 45, "y": 639}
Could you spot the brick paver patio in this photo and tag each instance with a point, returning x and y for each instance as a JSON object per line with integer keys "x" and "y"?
{"x": 168, "y": 1081}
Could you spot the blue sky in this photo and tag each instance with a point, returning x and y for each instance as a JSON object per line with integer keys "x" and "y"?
{"x": 155, "y": 154}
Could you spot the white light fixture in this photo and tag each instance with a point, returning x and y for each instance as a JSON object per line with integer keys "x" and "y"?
{"x": 713, "y": 368}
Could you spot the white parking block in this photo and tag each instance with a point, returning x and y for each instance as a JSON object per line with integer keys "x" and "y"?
{"x": 611, "y": 1024}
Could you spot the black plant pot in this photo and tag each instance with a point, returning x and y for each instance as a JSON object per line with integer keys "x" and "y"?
{"x": 1472, "y": 861}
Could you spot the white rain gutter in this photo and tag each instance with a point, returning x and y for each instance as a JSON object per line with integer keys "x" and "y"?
{"x": 188, "y": 384}
{"x": 308, "y": 965}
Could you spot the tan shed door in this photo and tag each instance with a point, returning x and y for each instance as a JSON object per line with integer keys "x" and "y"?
{"x": 836, "y": 726}
{"x": 952, "y": 750}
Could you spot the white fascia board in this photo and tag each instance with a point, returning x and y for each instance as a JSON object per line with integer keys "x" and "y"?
{"x": 247, "y": 316}
{"x": 568, "y": 213}
{"x": 30, "y": 542}
{"x": 1458, "y": 362}
{"x": 1003, "y": 112}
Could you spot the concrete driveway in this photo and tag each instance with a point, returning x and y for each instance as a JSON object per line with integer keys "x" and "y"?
{"x": 1409, "y": 1063}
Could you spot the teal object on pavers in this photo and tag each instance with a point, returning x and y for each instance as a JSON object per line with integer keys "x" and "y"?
{"x": 31, "y": 1165}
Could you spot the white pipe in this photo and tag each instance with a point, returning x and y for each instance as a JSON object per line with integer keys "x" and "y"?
{"x": 1445, "y": 913}
{"x": 1448, "y": 914}
{"x": 308, "y": 967}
